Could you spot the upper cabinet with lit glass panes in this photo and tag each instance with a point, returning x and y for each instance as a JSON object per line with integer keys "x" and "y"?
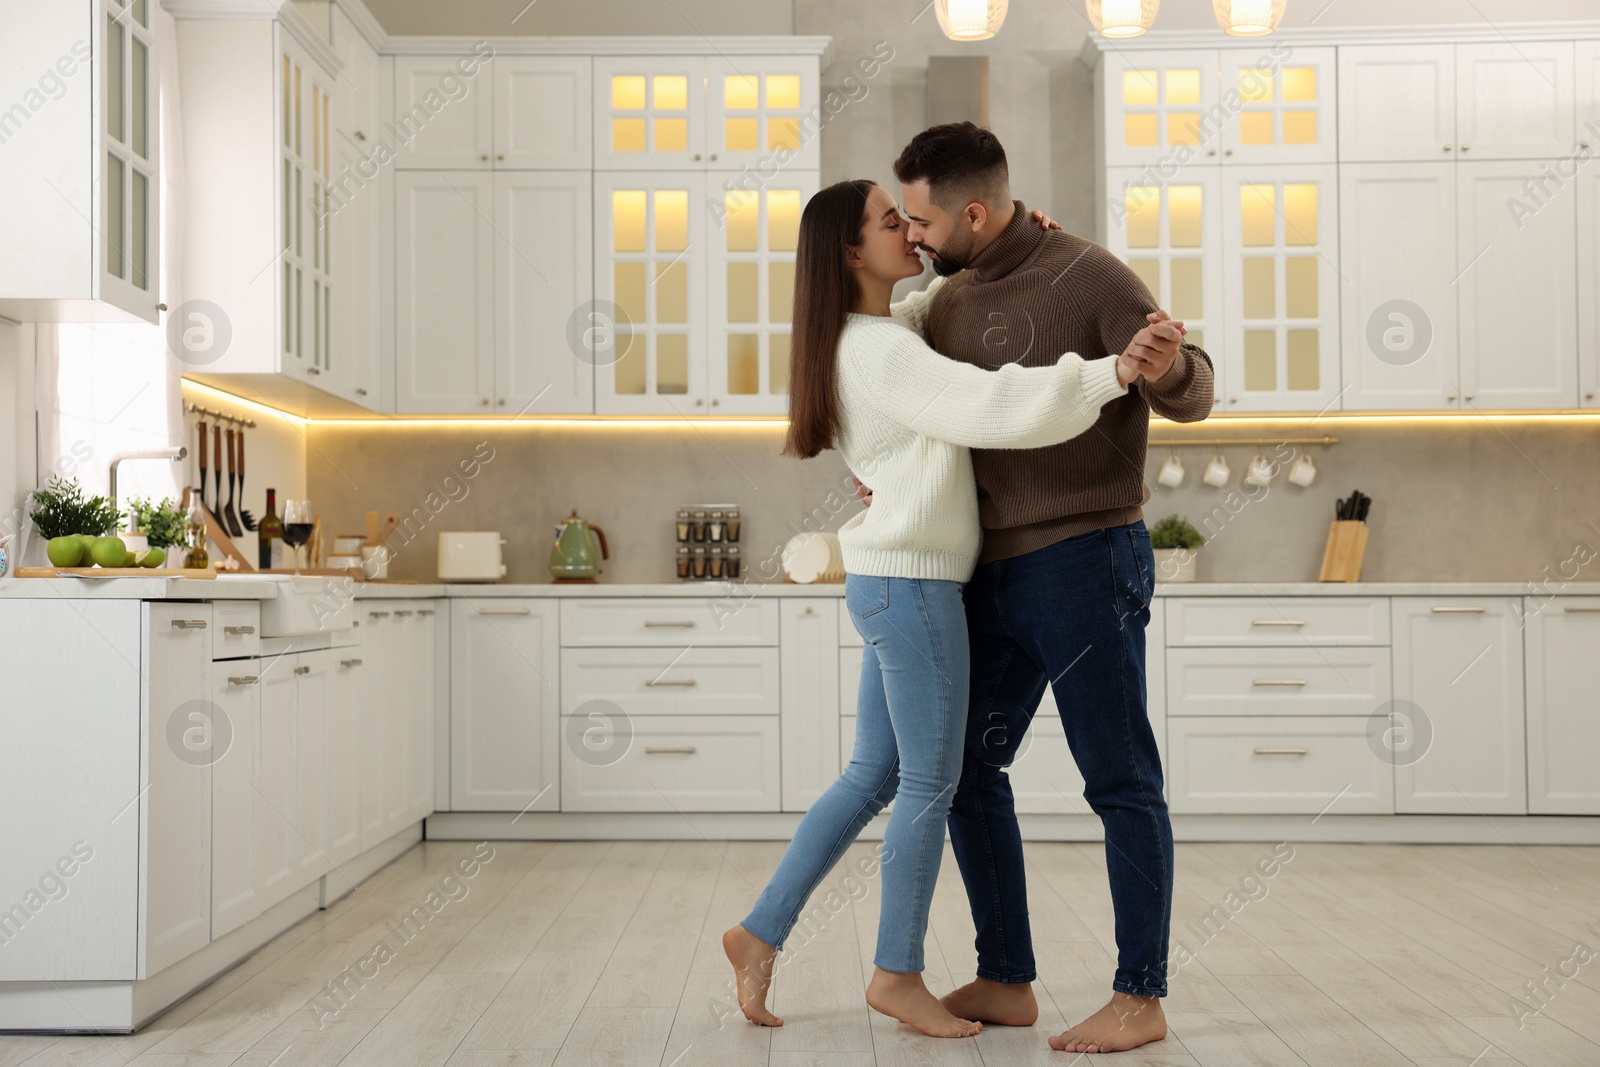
{"x": 719, "y": 113}
{"x": 1203, "y": 106}
{"x": 80, "y": 162}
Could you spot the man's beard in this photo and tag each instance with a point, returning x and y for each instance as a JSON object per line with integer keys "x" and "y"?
{"x": 955, "y": 255}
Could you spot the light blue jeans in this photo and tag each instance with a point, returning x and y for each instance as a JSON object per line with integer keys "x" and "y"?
{"x": 911, "y": 719}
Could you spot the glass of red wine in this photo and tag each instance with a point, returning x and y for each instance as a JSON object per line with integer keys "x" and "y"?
{"x": 296, "y": 526}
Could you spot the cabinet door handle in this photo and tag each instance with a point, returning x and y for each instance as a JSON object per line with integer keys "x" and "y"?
{"x": 505, "y": 611}
{"x": 347, "y": 663}
{"x": 238, "y": 631}
{"x": 484, "y": 157}
{"x": 188, "y": 624}
{"x": 302, "y": 670}
{"x": 360, "y": 136}
{"x": 1271, "y": 681}
{"x": 1466, "y": 148}
{"x": 244, "y": 679}
{"x": 1281, "y": 751}
{"x": 1458, "y": 611}
{"x": 651, "y": 624}
{"x": 404, "y": 614}
{"x": 687, "y": 750}
{"x": 810, "y": 610}
{"x": 1277, "y": 622}
{"x": 1448, "y": 148}
{"x": 659, "y": 683}
{"x": 1571, "y": 610}
{"x": 377, "y": 614}
{"x": 424, "y": 611}
{"x": 360, "y": 391}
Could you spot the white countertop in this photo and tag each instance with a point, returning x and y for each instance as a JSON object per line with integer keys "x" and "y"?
{"x": 246, "y": 589}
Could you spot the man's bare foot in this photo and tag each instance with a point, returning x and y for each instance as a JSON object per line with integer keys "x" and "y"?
{"x": 753, "y": 961}
{"x": 993, "y": 1002}
{"x": 1126, "y": 1022}
{"x": 903, "y": 996}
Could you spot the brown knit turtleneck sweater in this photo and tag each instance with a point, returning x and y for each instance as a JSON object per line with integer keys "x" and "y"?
{"x": 1031, "y": 295}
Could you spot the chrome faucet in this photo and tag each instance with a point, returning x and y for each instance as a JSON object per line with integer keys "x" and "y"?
{"x": 177, "y": 453}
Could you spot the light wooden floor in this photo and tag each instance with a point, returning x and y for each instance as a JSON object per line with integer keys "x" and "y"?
{"x": 607, "y": 954}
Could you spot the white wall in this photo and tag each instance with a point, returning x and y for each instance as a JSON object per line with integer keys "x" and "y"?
{"x": 557, "y": 17}
{"x": 16, "y": 424}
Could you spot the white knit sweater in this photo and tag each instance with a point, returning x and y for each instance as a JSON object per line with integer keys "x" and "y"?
{"x": 907, "y": 419}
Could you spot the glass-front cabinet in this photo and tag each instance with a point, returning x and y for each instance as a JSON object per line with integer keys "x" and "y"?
{"x": 1159, "y": 107}
{"x": 1281, "y": 105}
{"x": 80, "y": 175}
{"x": 306, "y": 266}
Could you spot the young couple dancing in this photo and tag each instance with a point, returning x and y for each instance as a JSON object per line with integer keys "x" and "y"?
{"x": 1001, "y": 417}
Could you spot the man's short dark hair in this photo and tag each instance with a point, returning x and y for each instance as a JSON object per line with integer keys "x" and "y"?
{"x": 961, "y": 162}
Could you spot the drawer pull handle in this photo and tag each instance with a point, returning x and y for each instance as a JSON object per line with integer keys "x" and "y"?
{"x": 652, "y": 624}
{"x": 425, "y": 611}
{"x": 377, "y": 614}
{"x": 1277, "y": 622}
{"x": 1281, "y": 751}
{"x": 1582, "y": 611}
{"x": 188, "y": 624}
{"x": 688, "y": 683}
{"x": 244, "y": 679}
{"x": 505, "y": 611}
{"x": 302, "y": 670}
{"x": 403, "y": 614}
{"x": 1274, "y": 681}
{"x": 347, "y": 663}
{"x": 687, "y": 751}
{"x": 1458, "y": 611}
{"x": 238, "y": 631}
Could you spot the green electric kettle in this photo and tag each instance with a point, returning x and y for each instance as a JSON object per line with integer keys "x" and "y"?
{"x": 576, "y": 555}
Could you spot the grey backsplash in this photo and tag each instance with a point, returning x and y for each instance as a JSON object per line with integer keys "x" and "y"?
{"x": 1513, "y": 500}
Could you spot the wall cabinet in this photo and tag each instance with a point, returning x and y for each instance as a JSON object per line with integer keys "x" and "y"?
{"x": 1153, "y": 107}
{"x": 1514, "y": 100}
{"x": 482, "y": 111}
{"x": 1397, "y": 102}
{"x": 505, "y": 688}
{"x": 718, "y": 113}
{"x": 1458, "y": 672}
{"x": 80, "y": 175}
{"x": 1587, "y": 192}
{"x": 1563, "y": 677}
{"x": 1284, "y": 107}
{"x": 358, "y": 106}
{"x": 492, "y": 271}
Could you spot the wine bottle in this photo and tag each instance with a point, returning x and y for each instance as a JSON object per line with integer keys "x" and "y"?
{"x": 270, "y": 530}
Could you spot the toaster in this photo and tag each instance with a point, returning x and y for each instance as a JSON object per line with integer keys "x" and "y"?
{"x": 471, "y": 557}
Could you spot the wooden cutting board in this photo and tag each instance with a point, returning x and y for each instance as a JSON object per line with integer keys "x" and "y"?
{"x": 204, "y": 574}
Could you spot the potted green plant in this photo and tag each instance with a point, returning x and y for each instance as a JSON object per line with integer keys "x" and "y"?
{"x": 63, "y": 515}
{"x": 1174, "y": 542}
{"x": 162, "y": 525}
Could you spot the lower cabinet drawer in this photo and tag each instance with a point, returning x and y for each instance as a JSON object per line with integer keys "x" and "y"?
{"x": 679, "y": 763}
{"x": 671, "y": 681}
{"x": 238, "y": 633}
{"x": 1277, "y": 681}
{"x": 1276, "y": 766}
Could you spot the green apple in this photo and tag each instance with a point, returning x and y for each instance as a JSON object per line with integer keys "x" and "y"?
{"x": 109, "y": 552}
{"x": 150, "y": 557}
{"x": 87, "y": 540}
{"x": 65, "y": 551}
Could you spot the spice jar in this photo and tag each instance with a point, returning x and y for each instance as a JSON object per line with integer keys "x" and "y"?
{"x": 731, "y": 519}
{"x": 683, "y": 561}
{"x": 731, "y": 564}
{"x": 683, "y": 525}
{"x": 699, "y": 561}
{"x": 714, "y": 527}
{"x": 697, "y": 526}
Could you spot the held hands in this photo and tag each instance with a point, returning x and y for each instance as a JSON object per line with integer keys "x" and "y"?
{"x": 1153, "y": 349}
{"x": 862, "y": 492}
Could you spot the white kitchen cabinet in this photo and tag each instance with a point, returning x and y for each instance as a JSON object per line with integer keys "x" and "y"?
{"x": 275, "y": 841}
{"x": 1170, "y": 235}
{"x": 175, "y": 806}
{"x": 1290, "y": 680}
{"x": 543, "y": 280}
{"x": 1563, "y": 672}
{"x": 1286, "y": 111}
{"x": 384, "y": 739}
{"x": 355, "y": 216}
{"x": 809, "y": 703}
{"x": 1458, "y": 669}
{"x": 1517, "y": 291}
{"x": 680, "y": 763}
{"x": 312, "y": 671}
{"x": 1587, "y": 191}
{"x": 1280, "y": 280}
{"x": 1300, "y": 765}
{"x": 483, "y": 111}
{"x": 1247, "y": 621}
{"x": 1397, "y": 102}
{"x": 1159, "y": 107}
{"x": 671, "y": 622}
{"x": 724, "y": 112}
{"x": 505, "y": 685}
{"x": 1515, "y": 100}
{"x": 235, "y": 888}
{"x": 349, "y": 687}
{"x": 419, "y": 632}
{"x": 444, "y": 292}
{"x": 688, "y": 680}
{"x": 1397, "y": 246}
{"x": 358, "y": 105}
{"x": 80, "y": 172}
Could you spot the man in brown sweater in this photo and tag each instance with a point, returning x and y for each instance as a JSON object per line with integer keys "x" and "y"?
{"x": 1062, "y": 590}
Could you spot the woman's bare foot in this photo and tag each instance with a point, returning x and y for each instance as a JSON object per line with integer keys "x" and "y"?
{"x": 901, "y": 995}
{"x": 1126, "y": 1022}
{"x": 753, "y": 960}
{"x": 993, "y": 1002}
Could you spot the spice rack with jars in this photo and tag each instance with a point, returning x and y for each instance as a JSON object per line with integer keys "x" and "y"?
{"x": 707, "y": 542}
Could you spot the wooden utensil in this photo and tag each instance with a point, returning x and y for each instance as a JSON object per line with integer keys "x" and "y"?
{"x": 390, "y": 521}
{"x": 202, "y": 574}
{"x": 372, "y": 527}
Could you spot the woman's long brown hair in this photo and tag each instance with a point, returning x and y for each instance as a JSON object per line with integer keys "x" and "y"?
{"x": 824, "y": 292}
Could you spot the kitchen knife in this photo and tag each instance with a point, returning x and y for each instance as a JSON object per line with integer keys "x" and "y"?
{"x": 203, "y": 464}
{"x": 216, "y": 472}
{"x": 1363, "y": 508}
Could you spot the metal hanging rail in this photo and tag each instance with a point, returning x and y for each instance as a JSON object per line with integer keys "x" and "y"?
{"x": 1222, "y": 442}
{"x": 212, "y": 413}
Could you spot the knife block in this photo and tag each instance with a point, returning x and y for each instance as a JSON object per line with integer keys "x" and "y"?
{"x": 1347, "y": 544}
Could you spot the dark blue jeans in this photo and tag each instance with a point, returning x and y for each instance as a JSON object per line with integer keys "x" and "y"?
{"x": 1071, "y": 615}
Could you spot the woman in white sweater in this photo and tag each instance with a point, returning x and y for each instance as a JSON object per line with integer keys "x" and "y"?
{"x": 903, "y": 417}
